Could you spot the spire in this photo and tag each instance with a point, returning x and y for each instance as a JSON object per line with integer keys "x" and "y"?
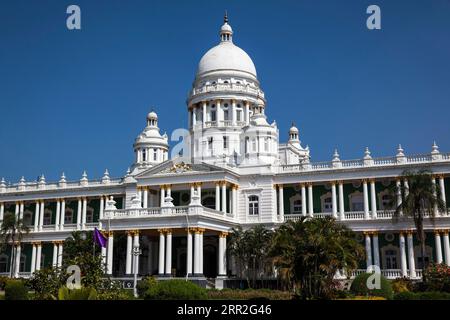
{"x": 226, "y": 32}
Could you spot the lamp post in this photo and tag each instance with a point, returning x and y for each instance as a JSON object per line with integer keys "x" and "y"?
{"x": 136, "y": 252}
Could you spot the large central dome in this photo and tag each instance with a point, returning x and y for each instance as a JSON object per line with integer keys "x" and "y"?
{"x": 226, "y": 56}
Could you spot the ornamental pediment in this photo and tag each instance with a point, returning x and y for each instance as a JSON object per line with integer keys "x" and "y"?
{"x": 175, "y": 168}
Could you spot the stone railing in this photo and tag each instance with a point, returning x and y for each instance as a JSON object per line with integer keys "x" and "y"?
{"x": 227, "y": 87}
{"x": 388, "y": 273}
{"x": 36, "y": 186}
{"x": 359, "y": 163}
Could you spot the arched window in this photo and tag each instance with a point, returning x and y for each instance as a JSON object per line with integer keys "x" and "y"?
{"x": 327, "y": 205}
{"x": 213, "y": 115}
{"x": 297, "y": 206}
{"x": 3, "y": 263}
{"x": 28, "y": 218}
{"x": 23, "y": 260}
{"x": 253, "y": 205}
{"x": 356, "y": 201}
{"x": 68, "y": 216}
{"x": 89, "y": 214}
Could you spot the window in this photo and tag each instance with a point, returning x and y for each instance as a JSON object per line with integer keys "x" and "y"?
{"x": 225, "y": 114}
{"x": 144, "y": 155}
{"x": 238, "y": 115}
{"x": 155, "y": 154}
{"x": 27, "y": 218}
{"x": 356, "y": 202}
{"x": 327, "y": 205}
{"x": 266, "y": 144}
{"x": 254, "y": 144}
{"x": 210, "y": 143}
{"x": 47, "y": 217}
{"x": 225, "y": 142}
{"x": 213, "y": 115}
{"x": 247, "y": 141}
{"x": 297, "y": 206}
{"x": 253, "y": 205}
{"x": 391, "y": 259}
{"x": 23, "y": 260}
{"x": 89, "y": 214}
{"x": 68, "y": 216}
{"x": 3, "y": 263}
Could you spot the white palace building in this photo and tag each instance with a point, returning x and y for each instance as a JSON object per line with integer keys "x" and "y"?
{"x": 233, "y": 171}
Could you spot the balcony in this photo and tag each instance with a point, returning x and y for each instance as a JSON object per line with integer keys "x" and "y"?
{"x": 390, "y": 274}
{"x": 227, "y": 87}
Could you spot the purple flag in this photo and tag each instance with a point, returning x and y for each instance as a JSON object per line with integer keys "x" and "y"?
{"x": 99, "y": 238}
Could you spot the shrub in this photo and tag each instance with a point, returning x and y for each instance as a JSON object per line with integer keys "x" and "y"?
{"x": 3, "y": 281}
{"x": 77, "y": 294}
{"x": 429, "y": 295}
{"x": 16, "y": 290}
{"x": 175, "y": 290}
{"x": 402, "y": 285}
{"x": 437, "y": 278}
{"x": 249, "y": 294}
{"x": 46, "y": 284}
{"x": 145, "y": 284}
{"x": 359, "y": 287}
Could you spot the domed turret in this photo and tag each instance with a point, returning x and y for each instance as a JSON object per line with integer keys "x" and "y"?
{"x": 150, "y": 146}
{"x": 293, "y": 136}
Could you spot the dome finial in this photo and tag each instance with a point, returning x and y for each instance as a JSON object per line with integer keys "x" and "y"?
{"x": 225, "y": 17}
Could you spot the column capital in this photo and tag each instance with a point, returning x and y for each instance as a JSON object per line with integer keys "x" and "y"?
{"x": 367, "y": 233}
{"x": 437, "y": 232}
{"x": 375, "y": 233}
{"x": 340, "y": 181}
{"x": 165, "y": 231}
{"x": 36, "y": 243}
{"x": 333, "y": 182}
{"x": 365, "y": 180}
{"x": 223, "y": 234}
{"x": 372, "y": 180}
{"x": 199, "y": 230}
{"x": 440, "y": 176}
{"x": 129, "y": 232}
{"x": 409, "y": 232}
{"x": 445, "y": 232}
{"x": 308, "y": 184}
{"x": 109, "y": 233}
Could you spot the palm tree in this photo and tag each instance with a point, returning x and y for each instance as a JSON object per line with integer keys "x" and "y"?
{"x": 420, "y": 199}
{"x": 11, "y": 231}
{"x": 311, "y": 251}
{"x": 251, "y": 248}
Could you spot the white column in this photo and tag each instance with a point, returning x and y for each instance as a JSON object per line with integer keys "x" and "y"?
{"x": 341, "y": 201}
{"x": 435, "y": 207}
{"x": 442, "y": 189}
{"x": 17, "y": 262}
{"x": 62, "y": 214}
{"x": 310, "y": 200}
{"x": 445, "y": 239}
{"x": 161, "y": 252}
{"x": 373, "y": 199}
{"x": 192, "y": 190}
{"x": 333, "y": 199}
{"x": 189, "y": 253}
{"x": 398, "y": 184}
{"x": 41, "y": 215}
{"x": 366, "y": 200}
{"x": 234, "y": 199}
{"x": 247, "y": 112}
{"x": 304, "y": 201}
{"x": 376, "y": 250}
{"x": 109, "y": 263}
{"x": 412, "y": 263}
{"x": 102, "y": 208}
{"x": 129, "y": 254}
{"x": 204, "y": 114}
{"x": 368, "y": 250}
{"x": 169, "y": 191}
{"x": 217, "y": 196}
{"x": 402, "y": 246}
{"x": 437, "y": 241}
{"x": 55, "y": 254}
{"x": 83, "y": 217}
{"x": 169, "y": 253}
{"x": 145, "y": 200}
{"x": 139, "y": 195}
{"x": 199, "y": 191}
{"x": 33, "y": 257}
{"x": 104, "y": 258}
{"x": 60, "y": 254}
{"x": 201, "y": 251}
{"x": 222, "y": 255}
{"x": 2, "y": 210}
{"x": 38, "y": 256}
{"x": 406, "y": 185}
{"x": 21, "y": 209}
{"x": 58, "y": 214}
{"x": 36, "y": 216}
{"x": 281, "y": 201}
{"x": 17, "y": 210}
{"x": 162, "y": 194}
{"x": 233, "y": 112}
{"x": 136, "y": 244}
{"x": 197, "y": 252}
{"x": 224, "y": 197}
{"x": 79, "y": 210}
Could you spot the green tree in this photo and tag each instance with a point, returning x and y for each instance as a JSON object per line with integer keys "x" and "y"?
{"x": 81, "y": 250}
{"x": 12, "y": 231}
{"x": 251, "y": 249}
{"x": 419, "y": 200}
{"x": 311, "y": 251}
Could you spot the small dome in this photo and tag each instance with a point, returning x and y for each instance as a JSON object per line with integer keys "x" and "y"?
{"x": 293, "y": 129}
{"x": 226, "y": 28}
{"x": 152, "y": 116}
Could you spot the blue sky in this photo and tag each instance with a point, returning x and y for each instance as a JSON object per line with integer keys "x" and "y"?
{"x": 75, "y": 100}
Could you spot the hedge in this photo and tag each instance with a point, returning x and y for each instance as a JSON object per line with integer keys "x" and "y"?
{"x": 16, "y": 290}
{"x": 175, "y": 289}
{"x": 359, "y": 287}
{"x": 427, "y": 295}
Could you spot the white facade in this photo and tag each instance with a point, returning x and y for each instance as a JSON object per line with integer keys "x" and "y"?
{"x": 233, "y": 171}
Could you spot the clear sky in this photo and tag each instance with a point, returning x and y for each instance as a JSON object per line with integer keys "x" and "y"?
{"x": 75, "y": 100}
